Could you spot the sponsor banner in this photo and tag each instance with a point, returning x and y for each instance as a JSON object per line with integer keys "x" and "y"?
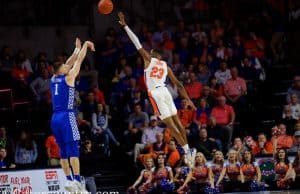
{"x": 30, "y": 181}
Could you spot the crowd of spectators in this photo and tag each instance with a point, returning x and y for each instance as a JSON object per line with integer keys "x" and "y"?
{"x": 221, "y": 63}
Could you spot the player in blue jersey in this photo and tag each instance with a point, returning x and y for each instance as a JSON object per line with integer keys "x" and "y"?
{"x": 63, "y": 121}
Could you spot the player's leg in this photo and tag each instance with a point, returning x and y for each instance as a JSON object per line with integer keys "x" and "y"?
{"x": 161, "y": 108}
{"x": 71, "y": 139}
{"x": 172, "y": 108}
{"x": 174, "y": 130}
{"x": 180, "y": 127}
{"x": 190, "y": 154}
{"x": 57, "y": 129}
{"x": 73, "y": 153}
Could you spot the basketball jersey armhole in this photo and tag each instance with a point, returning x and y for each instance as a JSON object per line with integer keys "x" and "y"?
{"x": 148, "y": 67}
{"x": 65, "y": 79}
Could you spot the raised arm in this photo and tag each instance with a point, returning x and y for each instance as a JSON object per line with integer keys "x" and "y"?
{"x": 71, "y": 60}
{"x": 70, "y": 78}
{"x": 146, "y": 56}
{"x": 180, "y": 87}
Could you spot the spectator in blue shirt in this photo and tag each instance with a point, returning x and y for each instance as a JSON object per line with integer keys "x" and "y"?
{"x": 26, "y": 151}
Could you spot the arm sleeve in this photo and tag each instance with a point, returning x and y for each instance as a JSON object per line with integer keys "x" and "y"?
{"x": 133, "y": 38}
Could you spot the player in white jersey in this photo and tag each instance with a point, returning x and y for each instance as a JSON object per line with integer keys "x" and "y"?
{"x": 156, "y": 72}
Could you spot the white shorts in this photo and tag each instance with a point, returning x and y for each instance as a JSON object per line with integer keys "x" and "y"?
{"x": 162, "y": 102}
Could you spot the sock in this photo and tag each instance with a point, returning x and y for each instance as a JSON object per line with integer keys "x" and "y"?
{"x": 77, "y": 177}
{"x": 69, "y": 178}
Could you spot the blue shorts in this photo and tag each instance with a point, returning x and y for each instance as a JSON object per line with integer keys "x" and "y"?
{"x": 66, "y": 133}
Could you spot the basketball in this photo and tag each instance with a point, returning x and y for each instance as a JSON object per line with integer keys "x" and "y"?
{"x": 105, "y": 7}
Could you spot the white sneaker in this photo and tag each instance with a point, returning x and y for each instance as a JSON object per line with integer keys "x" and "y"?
{"x": 79, "y": 187}
{"x": 69, "y": 186}
{"x": 190, "y": 157}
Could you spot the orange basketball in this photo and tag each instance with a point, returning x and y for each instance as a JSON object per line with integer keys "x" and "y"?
{"x": 105, "y": 7}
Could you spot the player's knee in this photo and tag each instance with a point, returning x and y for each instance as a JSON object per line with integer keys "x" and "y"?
{"x": 63, "y": 153}
{"x": 72, "y": 149}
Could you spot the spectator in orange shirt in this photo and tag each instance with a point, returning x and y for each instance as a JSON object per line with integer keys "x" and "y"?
{"x": 217, "y": 90}
{"x": 19, "y": 74}
{"x": 282, "y": 141}
{"x": 225, "y": 116}
{"x": 99, "y": 96}
{"x": 185, "y": 115}
{"x": 256, "y": 45}
{"x": 262, "y": 146}
{"x": 235, "y": 88}
{"x": 52, "y": 151}
{"x": 173, "y": 155}
{"x": 193, "y": 88}
{"x": 159, "y": 147}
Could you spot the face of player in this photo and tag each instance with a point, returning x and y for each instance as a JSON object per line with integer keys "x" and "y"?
{"x": 63, "y": 69}
{"x": 155, "y": 55}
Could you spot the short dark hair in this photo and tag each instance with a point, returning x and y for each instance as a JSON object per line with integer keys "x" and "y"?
{"x": 56, "y": 65}
{"x": 157, "y": 51}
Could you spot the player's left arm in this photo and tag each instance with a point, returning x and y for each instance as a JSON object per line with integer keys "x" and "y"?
{"x": 180, "y": 87}
{"x": 70, "y": 78}
{"x": 71, "y": 60}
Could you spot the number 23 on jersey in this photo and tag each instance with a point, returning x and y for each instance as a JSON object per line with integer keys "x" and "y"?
{"x": 157, "y": 72}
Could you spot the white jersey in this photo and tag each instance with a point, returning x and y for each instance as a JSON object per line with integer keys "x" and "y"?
{"x": 156, "y": 74}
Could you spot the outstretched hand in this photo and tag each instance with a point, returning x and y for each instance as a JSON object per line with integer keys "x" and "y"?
{"x": 122, "y": 19}
{"x": 90, "y": 45}
{"x": 78, "y": 43}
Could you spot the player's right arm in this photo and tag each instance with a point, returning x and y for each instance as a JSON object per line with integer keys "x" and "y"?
{"x": 70, "y": 61}
{"x": 146, "y": 56}
{"x": 180, "y": 87}
{"x": 70, "y": 78}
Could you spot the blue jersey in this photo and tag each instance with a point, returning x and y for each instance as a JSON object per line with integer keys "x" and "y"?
{"x": 62, "y": 94}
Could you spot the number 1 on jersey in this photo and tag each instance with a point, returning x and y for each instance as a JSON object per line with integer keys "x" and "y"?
{"x": 56, "y": 90}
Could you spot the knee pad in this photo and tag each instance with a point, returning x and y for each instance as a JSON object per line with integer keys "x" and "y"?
{"x": 72, "y": 149}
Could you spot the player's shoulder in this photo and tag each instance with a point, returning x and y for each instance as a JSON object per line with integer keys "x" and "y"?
{"x": 58, "y": 78}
